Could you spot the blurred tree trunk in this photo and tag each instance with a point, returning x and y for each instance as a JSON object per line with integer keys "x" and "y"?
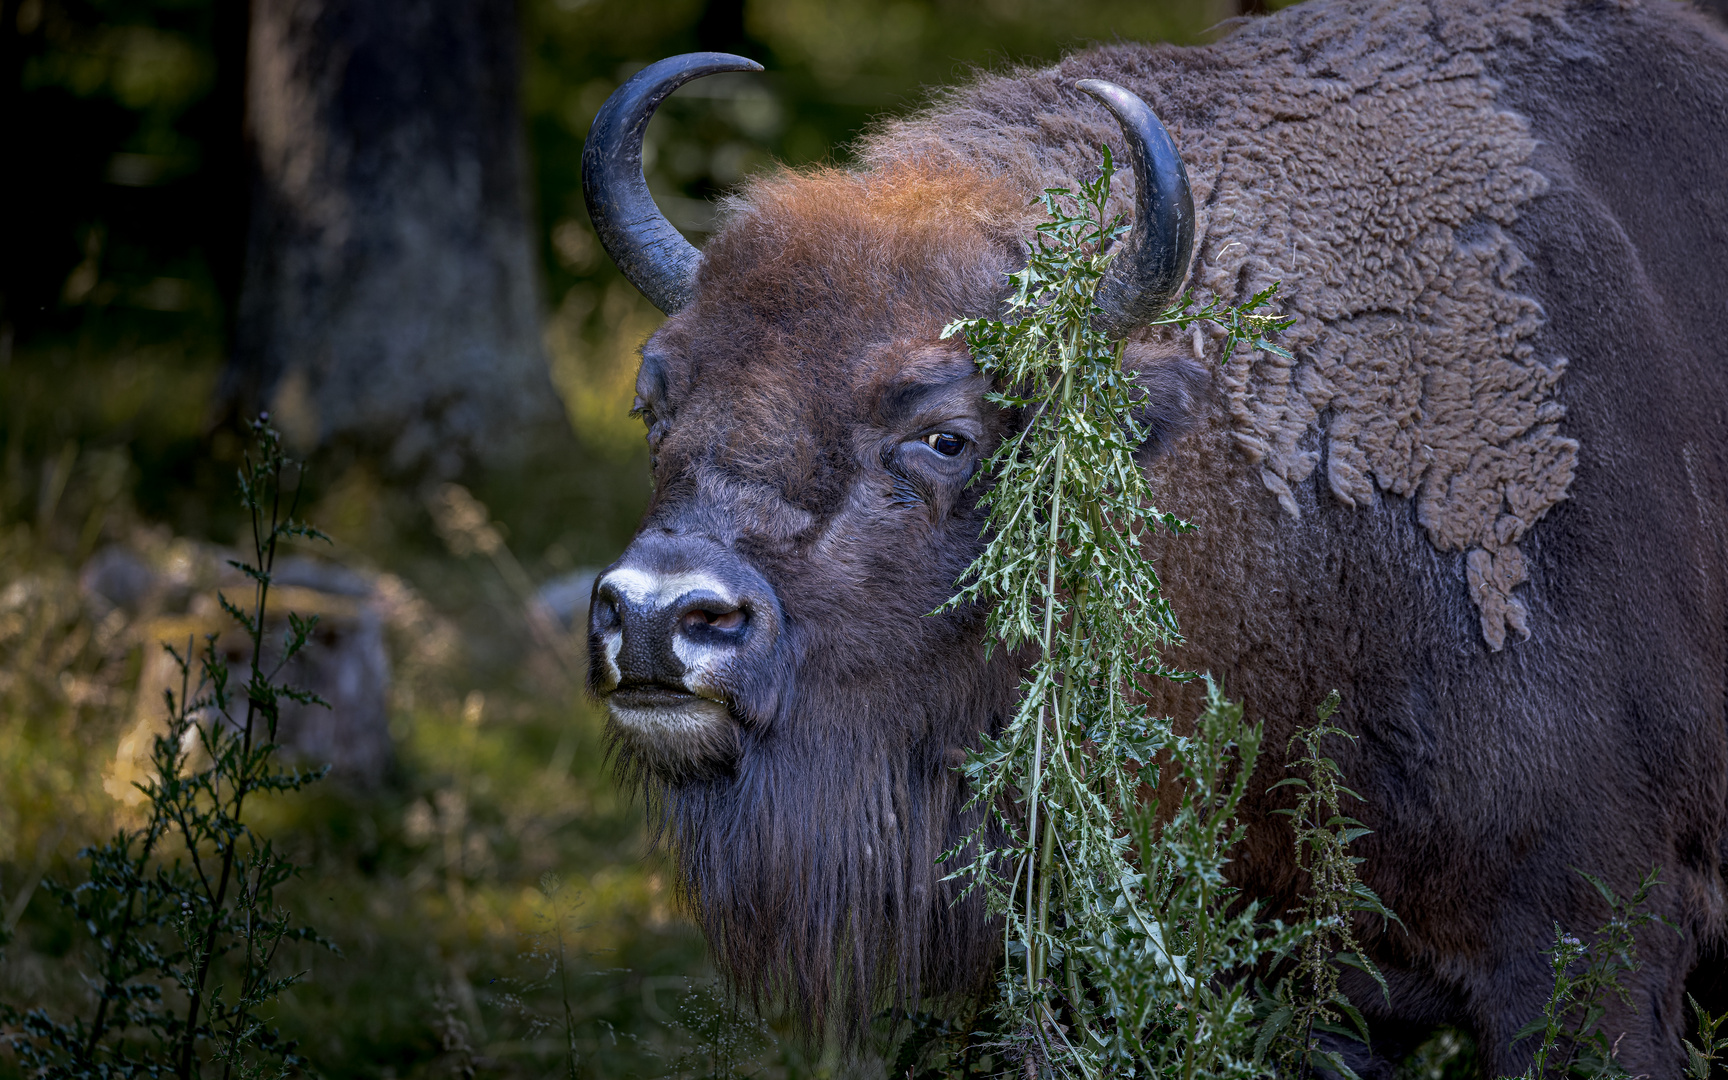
{"x": 389, "y": 298}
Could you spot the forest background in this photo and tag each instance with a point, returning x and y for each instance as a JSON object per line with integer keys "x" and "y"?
{"x": 366, "y": 217}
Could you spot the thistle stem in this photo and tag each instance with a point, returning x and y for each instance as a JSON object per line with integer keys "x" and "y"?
{"x": 1034, "y": 949}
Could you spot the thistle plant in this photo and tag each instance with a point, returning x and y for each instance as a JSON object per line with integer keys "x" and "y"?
{"x": 1587, "y": 971}
{"x": 181, "y": 911}
{"x": 1308, "y": 1002}
{"x": 1573, "y": 1041}
{"x": 1711, "y": 1047}
{"x": 1127, "y": 951}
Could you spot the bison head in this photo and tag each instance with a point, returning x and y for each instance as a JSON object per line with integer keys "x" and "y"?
{"x": 766, "y": 646}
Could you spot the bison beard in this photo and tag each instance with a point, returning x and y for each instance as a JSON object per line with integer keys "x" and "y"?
{"x": 813, "y": 872}
{"x": 1488, "y": 500}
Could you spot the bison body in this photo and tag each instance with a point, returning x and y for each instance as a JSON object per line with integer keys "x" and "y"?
{"x": 1487, "y": 501}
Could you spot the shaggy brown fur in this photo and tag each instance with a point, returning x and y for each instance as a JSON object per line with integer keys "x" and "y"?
{"x": 1486, "y": 502}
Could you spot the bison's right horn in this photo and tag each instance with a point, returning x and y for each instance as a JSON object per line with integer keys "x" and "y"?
{"x": 1149, "y": 270}
{"x": 653, "y": 255}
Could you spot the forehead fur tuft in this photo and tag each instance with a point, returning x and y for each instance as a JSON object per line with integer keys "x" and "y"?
{"x": 909, "y": 240}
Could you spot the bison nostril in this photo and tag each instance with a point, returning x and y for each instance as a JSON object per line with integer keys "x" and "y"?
{"x": 606, "y": 614}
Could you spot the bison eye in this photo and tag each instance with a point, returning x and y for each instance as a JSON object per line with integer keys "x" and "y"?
{"x": 946, "y": 443}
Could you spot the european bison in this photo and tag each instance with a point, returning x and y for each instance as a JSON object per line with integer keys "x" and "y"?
{"x": 1487, "y": 500}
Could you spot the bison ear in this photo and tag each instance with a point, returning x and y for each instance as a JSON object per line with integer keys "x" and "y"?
{"x": 1175, "y": 390}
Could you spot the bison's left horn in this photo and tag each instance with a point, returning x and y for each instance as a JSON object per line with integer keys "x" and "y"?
{"x": 653, "y": 255}
{"x": 1149, "y": 270}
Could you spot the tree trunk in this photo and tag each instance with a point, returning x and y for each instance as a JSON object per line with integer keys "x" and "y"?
{"x": 389, "y": 296}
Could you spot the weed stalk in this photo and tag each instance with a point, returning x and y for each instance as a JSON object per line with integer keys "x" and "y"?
{"x": 165, "y": 917}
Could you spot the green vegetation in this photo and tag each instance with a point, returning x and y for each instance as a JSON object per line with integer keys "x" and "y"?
{"x": 192, "y": 891}
{"x": 1307, "y": 1002}
{"x": 1128, "y": 952}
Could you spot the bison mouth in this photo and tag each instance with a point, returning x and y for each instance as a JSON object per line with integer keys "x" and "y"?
{"x": 671, "y": 732}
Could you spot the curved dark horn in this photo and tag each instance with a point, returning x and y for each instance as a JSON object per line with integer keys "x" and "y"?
{"x": 1153, "y": 262}
{"x": 653, "y": 255}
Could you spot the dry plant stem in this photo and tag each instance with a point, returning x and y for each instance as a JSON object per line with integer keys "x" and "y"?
{"x": 237, "y": 1028}
{"x": 564, "y": 990}
{"x": 1064, "y": 717}
{"x": 1044, "y": 854}
{"x": 1192, "y": 1021}
{"x": 1034, "y": 951}
{"x": 160, "y": 925}
{"x": 265, "y": 553}
{"x": 111, "y": 979}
